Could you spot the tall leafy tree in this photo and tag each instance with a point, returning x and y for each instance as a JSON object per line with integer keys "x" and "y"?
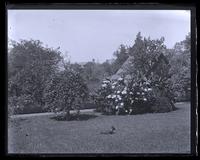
{"x": 107, "y": 67}
{"x": 121, "y": 55}
{"x": 30, "y": 65}
{"x": 181, "y": 67}
{"x": 146, "y": 52}
{"x": 150, "y": 62}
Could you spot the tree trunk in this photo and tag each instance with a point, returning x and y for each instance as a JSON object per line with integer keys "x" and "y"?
{"x": 67, "y": 109}
{"x": 67, "y": 115}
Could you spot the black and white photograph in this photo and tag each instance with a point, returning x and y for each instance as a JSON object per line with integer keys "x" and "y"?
{"x": 99, "y": 81}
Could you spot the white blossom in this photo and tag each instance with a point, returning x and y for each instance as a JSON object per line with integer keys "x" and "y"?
{"x": 113, "y": 96}
{"x": 147, "y": 83}
{"x": 109, "y": 96}
{"x": 106, "y": 81}
{"x": 104, "y": 85}
{"x": 138, "y": 93}
{"x": 122, "y": 104}
{"x": 120, "y": 79}
{"x": 142, "y": 93}
{"x": 145, "y": 89}
{"x": 132, "y": 101}
{"x": 145, "y": 99}
{"x": 118, "y": 92}
{"x": 124, "y": 92}
{"x": 117, "y": 107}
{"x": 149, "y": 89}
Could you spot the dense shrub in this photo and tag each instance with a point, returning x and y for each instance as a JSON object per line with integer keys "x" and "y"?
{"x": 30, "y": 66}
{"x": 23, "y": 105}
{"x": 118, "y": 97}
{"x": 162, "y": 104}
{"x": 140, "y": 97}
{"x": 65, "y": 91}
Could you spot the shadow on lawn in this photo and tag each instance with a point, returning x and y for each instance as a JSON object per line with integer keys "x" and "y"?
{"x": 81, "y": 117}
{"x": 16, "y": 122}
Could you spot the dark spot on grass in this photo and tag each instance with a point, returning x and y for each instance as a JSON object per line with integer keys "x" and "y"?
{"x": 81, "y": 117}
{"x": 22, "y": 119}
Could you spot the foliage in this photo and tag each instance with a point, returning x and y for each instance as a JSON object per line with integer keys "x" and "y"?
{"x": 118, "y": 97}
{"x": 141, "y": 97}
{"x": 146, "y": 53}
{"x": 180, "y": 61}
{"x": 100, "y": 96}
{"x": 35, "y": 77}
{"x": 23, "y": 105}
{"x": 149, "y": 71}
{"x": 121, "y": 55}
{"x": 66, "y": 91}
{"x": 93, "y": 72}
{"x": 150, "y": 62}
{"x": 30, "y": 65}
{"x": 107, "y": 67}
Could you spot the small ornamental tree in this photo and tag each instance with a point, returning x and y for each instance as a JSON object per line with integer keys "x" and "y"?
{"x": 65, "y": 91}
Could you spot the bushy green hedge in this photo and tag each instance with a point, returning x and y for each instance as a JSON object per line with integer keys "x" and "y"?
{"x": 23, "y": 105}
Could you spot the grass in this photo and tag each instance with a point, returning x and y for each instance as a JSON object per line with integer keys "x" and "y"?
{"x": 147, "y": 133}
{"x": 81, "y": 117}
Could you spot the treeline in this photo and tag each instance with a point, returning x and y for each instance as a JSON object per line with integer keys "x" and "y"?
{"x": 39, "y": 79}
{"x": 146, "y": 51}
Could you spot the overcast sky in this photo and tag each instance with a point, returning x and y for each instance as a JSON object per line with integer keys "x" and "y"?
{"x": 88, "y": 34}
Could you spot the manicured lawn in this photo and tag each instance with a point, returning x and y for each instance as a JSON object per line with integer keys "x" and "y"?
{"x": 147, "y": 133}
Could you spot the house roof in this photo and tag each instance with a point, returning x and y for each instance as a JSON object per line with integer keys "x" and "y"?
{"x": 124, "y": 68}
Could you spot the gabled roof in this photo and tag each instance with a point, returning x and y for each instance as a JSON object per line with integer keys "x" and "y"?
{"x": 123, "y": 70}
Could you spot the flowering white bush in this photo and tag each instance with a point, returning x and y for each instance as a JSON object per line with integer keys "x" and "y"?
{"x": 118, "y": 97}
